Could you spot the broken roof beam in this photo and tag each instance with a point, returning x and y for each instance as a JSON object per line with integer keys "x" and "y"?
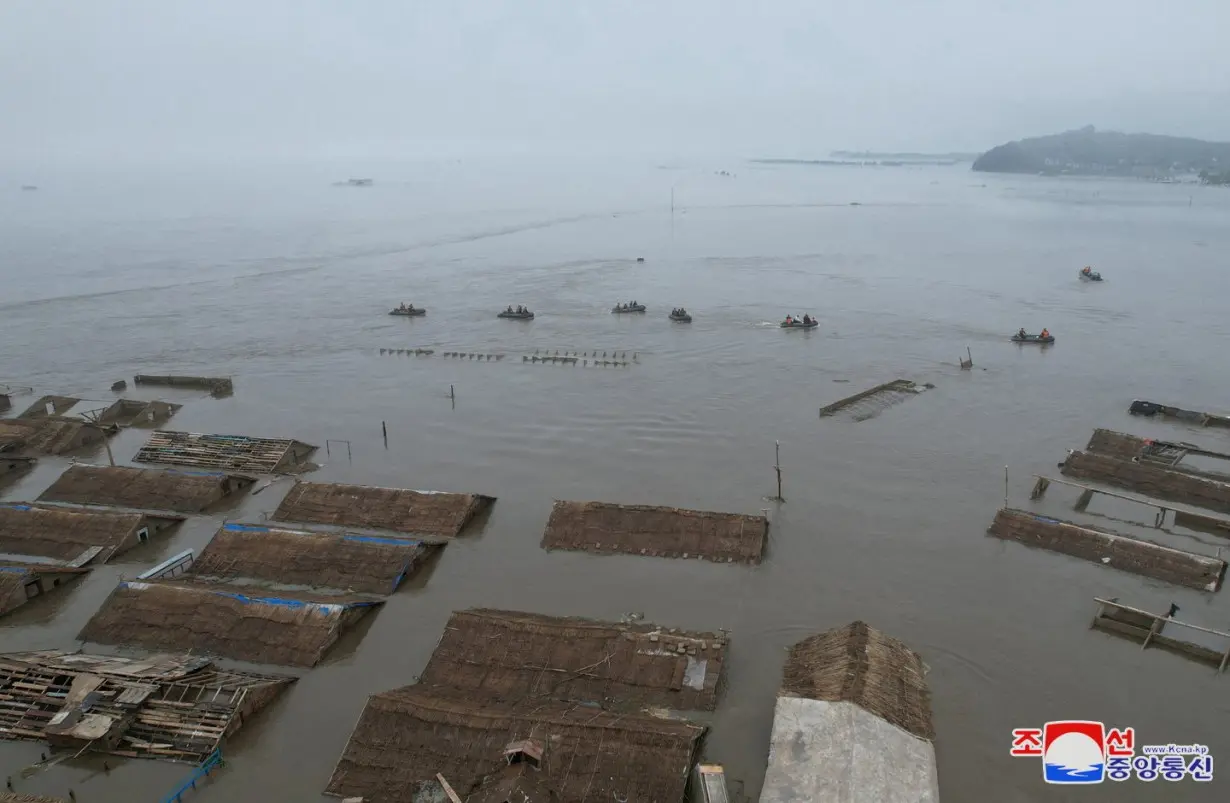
{"x": 1150, "y": 480}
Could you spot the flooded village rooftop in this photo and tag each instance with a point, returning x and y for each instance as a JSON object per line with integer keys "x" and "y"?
{"x": 348, "y": 561}
{"x": 584, "y": 688}
{"x": 145, "y": 488}
{"x": 177, "y": 708}
{"x": 240, "y": 453}
{"x": 290, "y": 628}
{"x": 395, "y": 509}
{"x": 22, "y": 582}
{"x": 669, "y": 532}
{"x": 76, "y": 535}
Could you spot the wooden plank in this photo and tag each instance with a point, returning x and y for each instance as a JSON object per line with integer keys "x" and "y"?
{"x": 448, "y": 790}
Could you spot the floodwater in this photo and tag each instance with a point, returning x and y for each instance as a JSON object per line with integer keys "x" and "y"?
{"x": 282, "y": 281}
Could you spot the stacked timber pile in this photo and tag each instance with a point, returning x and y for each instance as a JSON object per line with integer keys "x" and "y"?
{"x": 1150, "y": 480}
{"x": 1111, "y": 549}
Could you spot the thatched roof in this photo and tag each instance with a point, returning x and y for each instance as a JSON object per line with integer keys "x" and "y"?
{"x": 137, "y": 412}
{"x": 343, "y": 561}
{"x": 62, "y": 533}
{"x": 668, "y": 532}
{"x": 17, "y": 797}
{"x": 404, "y": 737}
{"x": 861, "y": 665}
{"x": 59, "y": 405}
{"x": 368, "y": 507}
{"x": 15, "y": 575}
{"x": 1108, "y": 548}
{"x": 232, "y": 621}
{"x": 515, "y": 656}
{"x": 147, "y": 488}
{"x": 51, "y": 435}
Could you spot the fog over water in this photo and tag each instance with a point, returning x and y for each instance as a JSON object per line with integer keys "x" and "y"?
{"x": 187, "y": 221}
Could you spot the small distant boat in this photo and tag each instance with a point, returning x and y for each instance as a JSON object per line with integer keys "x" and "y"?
{"x": 28, "y": 187}
{"x": 1039, "y": 339}
{"x": 523, "y": 315}
{"x": 1088, "y": 275}
{"x": 798, "y": 324}
{"x": 620, "y": 309}
{"x": 680, "y": 317}
{"x": 409, "y": 312}
{"x": 358, "y": 182}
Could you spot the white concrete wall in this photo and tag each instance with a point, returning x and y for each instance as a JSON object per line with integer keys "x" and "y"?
{"x": 823, "y": 752}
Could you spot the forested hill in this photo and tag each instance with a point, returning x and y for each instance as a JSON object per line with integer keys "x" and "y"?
{"x": 1091, "y": 152}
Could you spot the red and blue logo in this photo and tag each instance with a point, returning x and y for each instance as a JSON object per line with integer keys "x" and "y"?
{"x": 1074, "y": 752}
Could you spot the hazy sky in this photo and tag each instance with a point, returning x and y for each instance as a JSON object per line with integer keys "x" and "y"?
{"x": 84, "y": 80}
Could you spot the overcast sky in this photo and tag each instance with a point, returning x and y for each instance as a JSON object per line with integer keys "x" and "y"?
{"x": 84, "y": 80}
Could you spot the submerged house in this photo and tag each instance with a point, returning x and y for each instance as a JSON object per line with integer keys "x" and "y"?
{"x": 48, "y": 435}
{"x": 145, "y": 488}
{"x": 227, "y": 452}
{"x": 170, "y": 707}
{"x": 75, "y": 536}
{"x": 246, "y": 623}
{"x": 852, "y": 723}
{"x": 22, "y": 582}
{"x": 524, "y": 707}
{"x": 369, "y": 507}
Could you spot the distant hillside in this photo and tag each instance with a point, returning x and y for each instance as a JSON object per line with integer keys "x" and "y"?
{"x": 1091, "y": 152}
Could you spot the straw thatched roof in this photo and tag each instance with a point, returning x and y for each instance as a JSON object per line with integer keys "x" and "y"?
{"x": 1107, "y": 548}
{"x": 137, "y": 412}
{"x": 59, "y": 406}
{"x": 667, "y": 532}
{"x": 861, "y": 665}
{"x": 404, "y": 737}
{"x": 232, "y": 621}
{"x": 15, "y": 577}
{"x": 17, "y": 797}
{"x": 50, "y": 435}
{"x": 344, "y": 561}
{"x": 368, "y": 507}
{"x": 63, "y": 533}
{"x": 1151, "y": 480}
{"x": 147, "y": 488}
{"x": 514, "y": 656}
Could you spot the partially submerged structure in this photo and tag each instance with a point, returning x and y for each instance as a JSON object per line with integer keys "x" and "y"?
{"x": 145, "y": 488}
{"x": 669, "y": 532}
{"x": 1166, "y": 513}
{"x": 76, "y": 536}
{"x": 852, "y": 723}
{"x": 292, "y": 628}
{"x": 137, "y": 413}
{"x": 1146, "y": 628}
{"x": 51, "y": 435}
{"x": 12, "y": 466}
{"x": 226, "y": 452}
{"x": 1150, "y": 480}
{"x": 22, "y": 582}
{"x": 1165, "y": 454}
{"x": 217, "y": 386}
{"x": 1150, "y": 409}
{"x": 170, "y": 707}
{"x": 370, "y": 507}
{"x": 50, "y": 407}
{"x": 1108, "y": 548}
{"x": 873, "y": 401}
{"x": 346, "y": 561}
{"x": 407, "y": 736}
{"x": 512, "y": 656}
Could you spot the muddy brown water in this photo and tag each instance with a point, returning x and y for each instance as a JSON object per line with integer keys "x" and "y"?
{"x": 284, "y": 282}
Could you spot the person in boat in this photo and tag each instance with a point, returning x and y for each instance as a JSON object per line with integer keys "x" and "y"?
{"x": 1087, "y": 270}
{"x": 401, "y": 307}
{"x": 1045, "y": 334}
{"x": 1021, "y": 334}
{"x": 510, "y": 308}
{"x": 789, "y": 321}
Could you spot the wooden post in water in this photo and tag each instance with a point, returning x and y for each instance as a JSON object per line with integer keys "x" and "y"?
{"x": 384, "y": 430}
{"x": 1005, "y": 486}
{"x": 777, "y": 466}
